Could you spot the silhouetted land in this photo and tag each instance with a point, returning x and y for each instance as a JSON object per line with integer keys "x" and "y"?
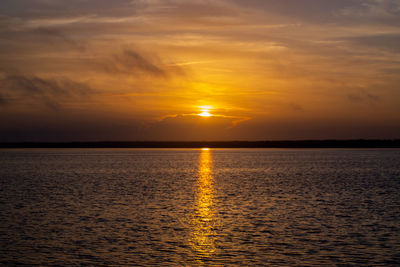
{"x": 214, "y": 144}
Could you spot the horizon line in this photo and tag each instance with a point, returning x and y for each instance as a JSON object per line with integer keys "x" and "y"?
{"x": 306, "y": 143}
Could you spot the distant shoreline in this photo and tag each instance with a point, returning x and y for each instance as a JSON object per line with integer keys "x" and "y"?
{"x": 360, "y": 143}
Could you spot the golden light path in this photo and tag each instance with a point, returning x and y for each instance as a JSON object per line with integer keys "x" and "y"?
{"x": 203, "y": 235}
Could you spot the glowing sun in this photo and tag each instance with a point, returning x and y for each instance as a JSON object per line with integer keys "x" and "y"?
{"x": 205, "y": 111}
{"x": 205, "y": 114}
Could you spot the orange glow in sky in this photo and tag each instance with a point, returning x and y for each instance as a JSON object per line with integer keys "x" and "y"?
{"x": 226, "y": 70}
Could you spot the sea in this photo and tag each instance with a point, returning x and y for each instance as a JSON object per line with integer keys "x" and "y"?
{"x": 200, "y": 207}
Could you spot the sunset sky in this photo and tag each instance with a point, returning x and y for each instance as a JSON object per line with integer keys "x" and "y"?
{"x": 95, "y": 70}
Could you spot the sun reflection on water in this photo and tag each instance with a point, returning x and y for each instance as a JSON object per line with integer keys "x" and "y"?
{"x": 203, "y": 236}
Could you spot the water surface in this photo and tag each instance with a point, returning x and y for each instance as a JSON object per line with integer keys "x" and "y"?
{"x": 200, "y": 207}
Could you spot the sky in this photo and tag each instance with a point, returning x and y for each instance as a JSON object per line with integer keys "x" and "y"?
{"x": 100, "y": 70}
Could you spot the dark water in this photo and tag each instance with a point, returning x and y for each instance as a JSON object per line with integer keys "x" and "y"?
{"x": 200, "y": 207}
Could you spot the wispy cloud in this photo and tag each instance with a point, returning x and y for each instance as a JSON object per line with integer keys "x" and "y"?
{"x": 363, "y": 96}
{"x": 385, "y": 42}
{"x": 21, "y": 89}
{"x": 132, "y": 62}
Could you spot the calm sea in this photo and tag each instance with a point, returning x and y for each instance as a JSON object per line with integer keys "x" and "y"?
{"x": 188, "y": 207}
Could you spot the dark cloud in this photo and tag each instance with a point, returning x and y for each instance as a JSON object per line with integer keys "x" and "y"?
{"x": 51, "y": 92}
{"x": 40, "y": 8}
{"x": 328, "y": 11}
{"x": 221, "y": 128}
{"x": 386, "y": 42}
{"x": 363, "y": 96}
{"x": 315, "y": 128}
{"x": 3, "y": 100}
{"x": 72, "y": 127}
{"x": 56, "y": 36}
{"x": 186, "y": 128}
{"x": 190, "y": 127}
{"x": 373, "y": 97}
{"x": 131, "y": 62}
{"x": 192, "y": 12}
{"x": 304, "y": 8}
{"x": 354, "y": 98}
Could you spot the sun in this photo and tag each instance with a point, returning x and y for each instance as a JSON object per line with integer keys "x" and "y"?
{"x": 205, "y": 114}
{"x": 205, "y": 111}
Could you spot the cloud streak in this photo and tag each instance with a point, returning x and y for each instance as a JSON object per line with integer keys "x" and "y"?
{"x": 51, "y": 92}
{"x": 133, "y": 63}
